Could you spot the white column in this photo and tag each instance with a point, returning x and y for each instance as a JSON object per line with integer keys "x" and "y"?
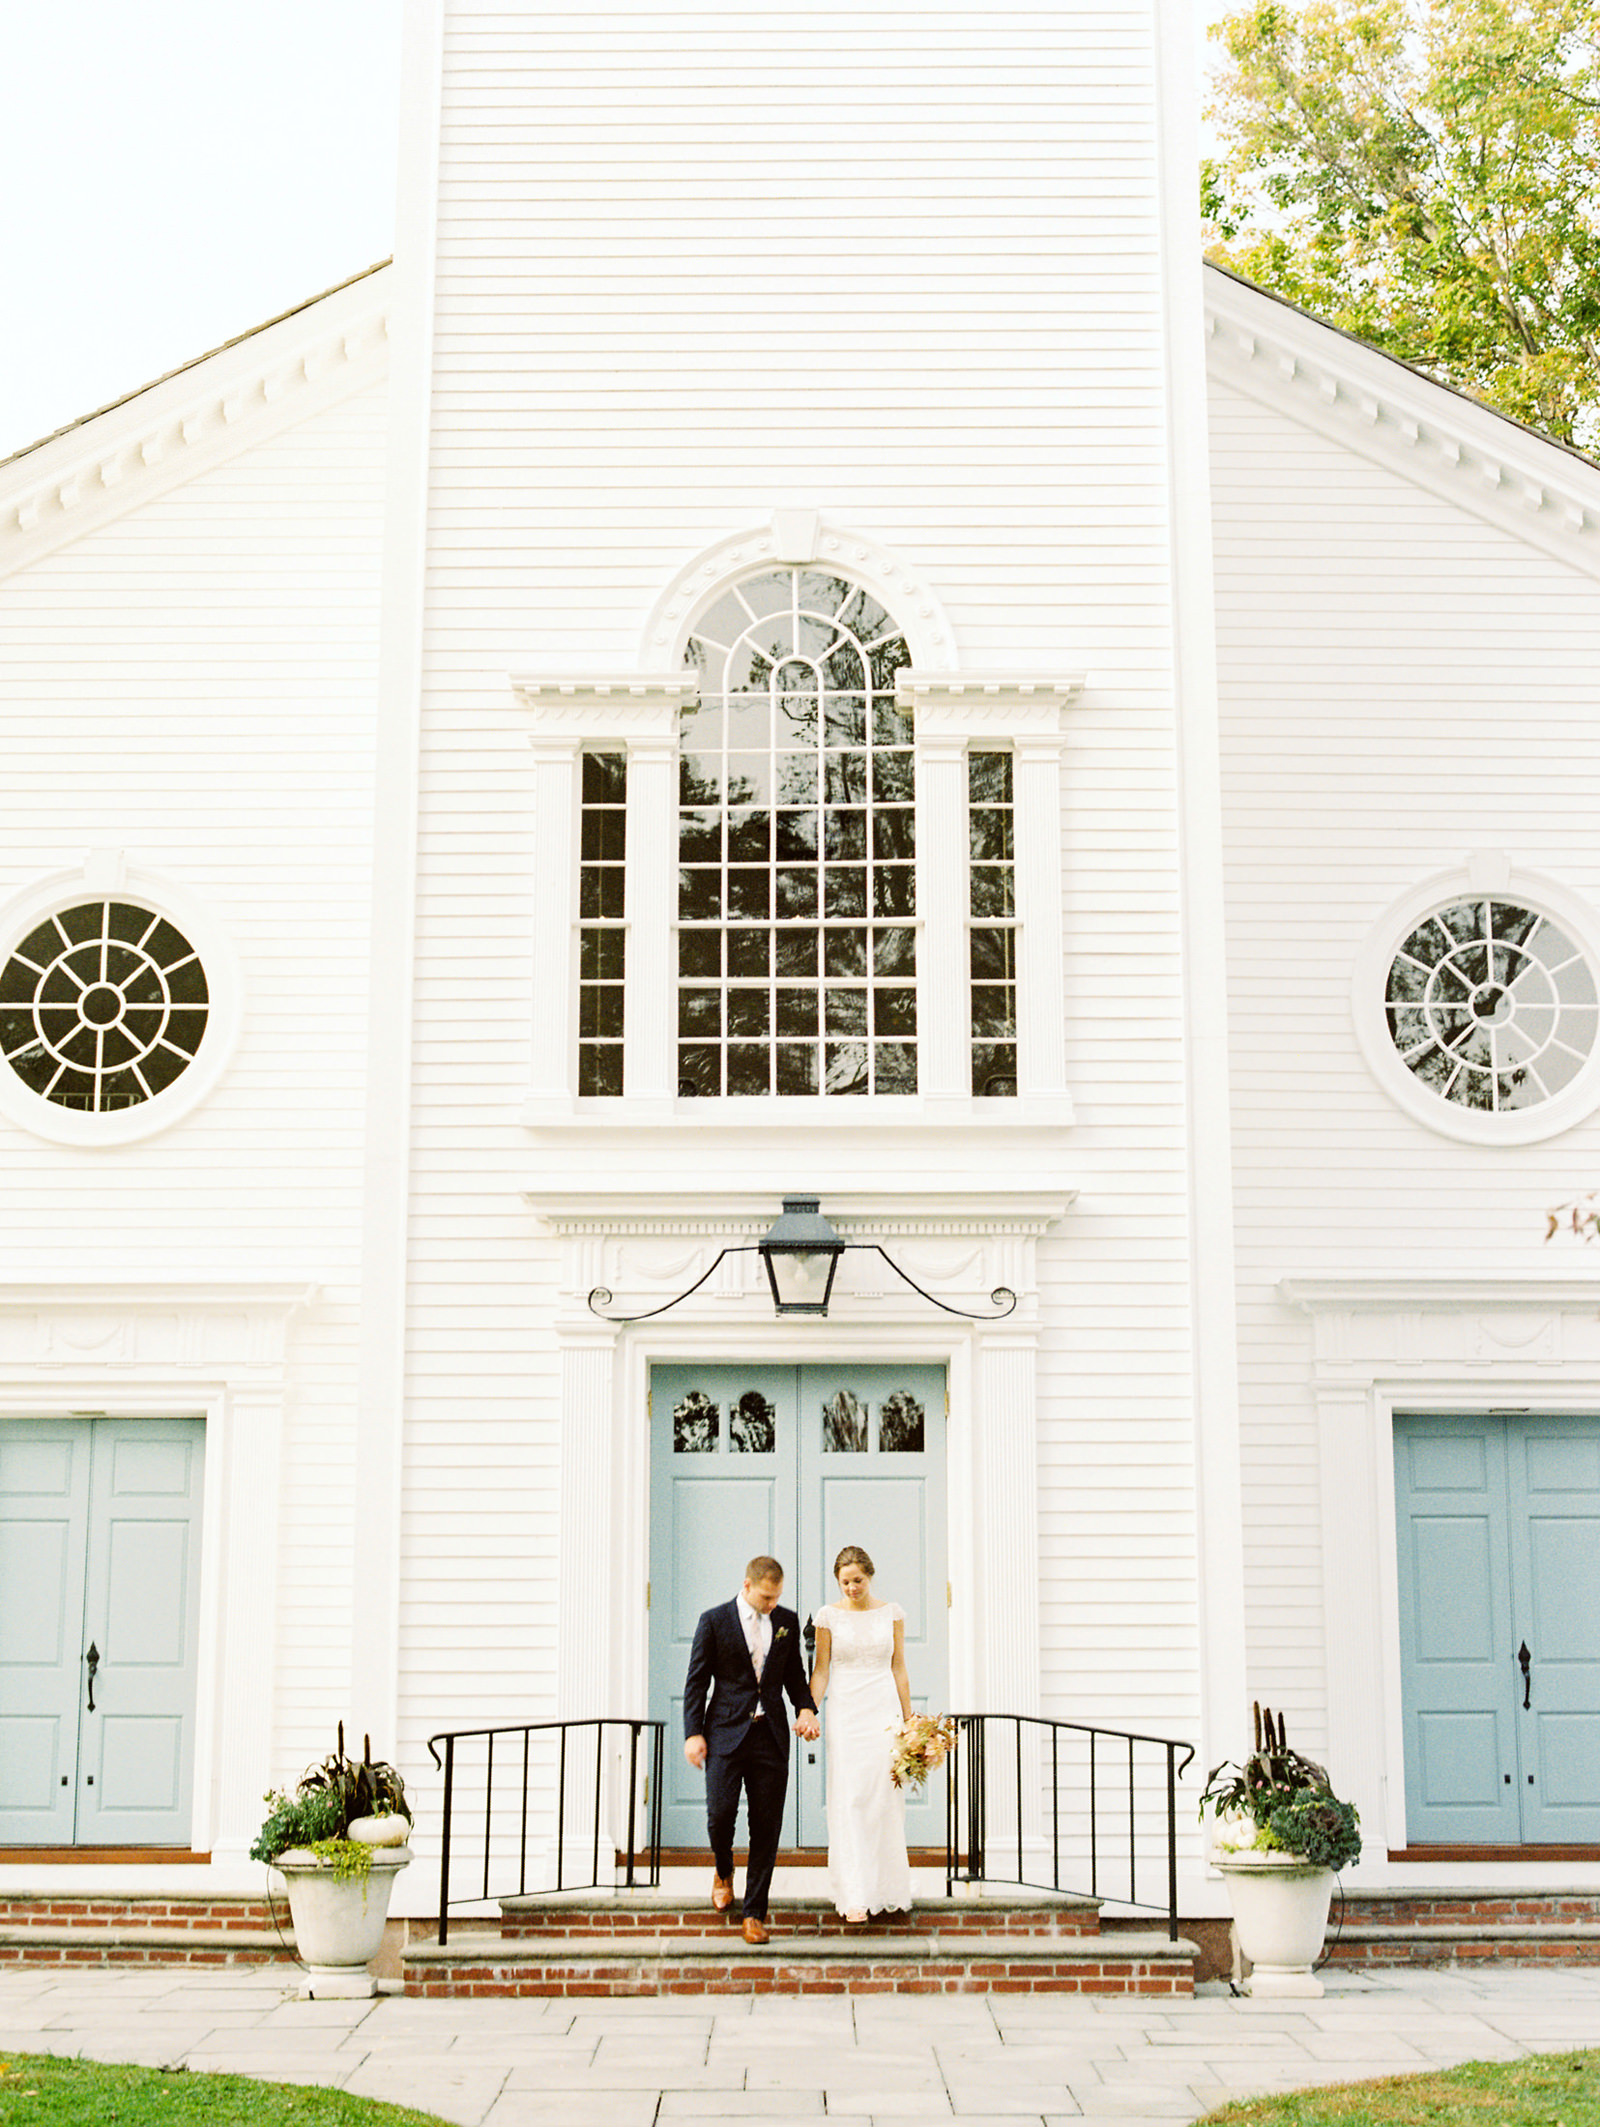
{"x": 1008, "y": 1573}
{"x": 1008, "y": 1522}
{"x": 585, "y": 1557}
{"x": 249, "y": 1588}
{"x": 555, "y": 938}
{"x": 649, "y": 1050}
{"x": 1353, "y": 1580}
{"x": 1041, "y": 1029}
{"x": 944, "y": 1019}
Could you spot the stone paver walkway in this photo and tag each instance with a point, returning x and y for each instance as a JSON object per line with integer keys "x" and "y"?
{"x": 986, "y": 2060}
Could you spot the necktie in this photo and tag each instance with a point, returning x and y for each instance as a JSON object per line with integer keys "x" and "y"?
{"x": 756, "y": 1655}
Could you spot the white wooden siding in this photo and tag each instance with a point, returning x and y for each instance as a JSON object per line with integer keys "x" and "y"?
{"x": 1402, "y": 684}
{"x": 901, "y": 265}
{"x": 194, "y": 684}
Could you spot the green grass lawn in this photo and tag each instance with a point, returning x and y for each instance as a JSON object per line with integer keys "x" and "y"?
{"x": 1556, "y": 2090}
{"x": 47, "y": 2092}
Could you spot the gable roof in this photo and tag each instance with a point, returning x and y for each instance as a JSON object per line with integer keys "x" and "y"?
{"x": 1543, "y": 492}
{"x": 196, "y": 416}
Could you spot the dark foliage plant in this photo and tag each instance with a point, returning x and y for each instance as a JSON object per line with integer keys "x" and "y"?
{"x": 328, "y": 1798}
{"x": 1287, "y": 1797}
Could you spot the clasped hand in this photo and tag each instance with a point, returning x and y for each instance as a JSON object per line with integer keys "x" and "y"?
{"x": 807, "y": 1727}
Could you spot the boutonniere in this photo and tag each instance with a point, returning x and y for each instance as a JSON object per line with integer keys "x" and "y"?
{"x": 782, "y": 1633}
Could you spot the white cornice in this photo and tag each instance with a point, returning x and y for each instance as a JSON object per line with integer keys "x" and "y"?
{"x": 1369, "y": 1293}
{"x": 193, "y": 420}
{"x": 567, "y": 713}
{"x": 275, "y": 1295}
{"x": 736, "y": 1215}
{"x": 1513, "y": 479}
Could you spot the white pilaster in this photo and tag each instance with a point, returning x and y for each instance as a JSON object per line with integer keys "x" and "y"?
{"x": 250, "y": 1611}
{"x": 1008, "y": 1521}
{"x": 649, "y": 1070}
{"x": 588, "y": 1493}
{"x": 1041, "y": 1026}
{"x": 554, "y": 1062}
{"x": 943, "y": 1073}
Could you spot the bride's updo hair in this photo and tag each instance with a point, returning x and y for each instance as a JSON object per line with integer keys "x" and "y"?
{"x": 853, "y": 1555}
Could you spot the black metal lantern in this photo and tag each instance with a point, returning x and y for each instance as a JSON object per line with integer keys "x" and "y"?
{"x": 801, "y": 1252}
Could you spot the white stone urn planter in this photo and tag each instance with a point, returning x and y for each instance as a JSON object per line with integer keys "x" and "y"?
{"x": 1280, "y": 1912}
{"x": 339, "y": 1920}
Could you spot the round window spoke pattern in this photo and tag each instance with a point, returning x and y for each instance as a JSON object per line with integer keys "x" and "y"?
{"x": 1492, "y": 1006}
{"x": 102, "y": 1006}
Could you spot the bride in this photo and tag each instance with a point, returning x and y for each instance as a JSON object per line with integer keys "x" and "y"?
{"x": 861, "y": 1654}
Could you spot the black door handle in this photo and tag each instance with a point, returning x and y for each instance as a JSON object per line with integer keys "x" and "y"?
{"x": 1526, "y": 1659}
{"x": 93, "y": 1660}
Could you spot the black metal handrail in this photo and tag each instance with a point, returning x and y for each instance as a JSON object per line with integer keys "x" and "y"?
{"x": 637, "y": 1730}
{"x": 968, "y": 1814}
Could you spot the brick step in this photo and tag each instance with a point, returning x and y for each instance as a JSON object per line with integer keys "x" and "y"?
{"x": 51, "y": 1909}
{"x": 1575, "y": 1944}
{"x": 1430, "y": 1908}
{"x": 681, "y": 1963}
{"x": 632, "y": 1913}
{"x": 96, "y": 1943}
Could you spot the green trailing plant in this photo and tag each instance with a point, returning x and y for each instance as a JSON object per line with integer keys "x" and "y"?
{"x": 1286, "y": 1798}
{"x": 328, "y": 1798}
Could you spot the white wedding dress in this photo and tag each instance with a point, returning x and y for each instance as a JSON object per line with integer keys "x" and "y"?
{"x": 867, "y": 1866}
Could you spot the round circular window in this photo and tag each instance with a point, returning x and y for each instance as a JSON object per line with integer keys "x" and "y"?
{"x": 102, "y": 1006}
{"x": 1490, "y": 1017}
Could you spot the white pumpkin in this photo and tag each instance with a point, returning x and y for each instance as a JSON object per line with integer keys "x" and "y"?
{"x": 393, "y": 1830}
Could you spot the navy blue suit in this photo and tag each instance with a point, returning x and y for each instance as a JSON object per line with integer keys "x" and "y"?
{"x": 742, "y": 1751}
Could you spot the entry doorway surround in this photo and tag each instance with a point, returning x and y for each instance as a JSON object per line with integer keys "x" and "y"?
{"x": 215, "y": 1350}
{"x": 644, "y": 1248}
{"x": 1383, "y": 1346}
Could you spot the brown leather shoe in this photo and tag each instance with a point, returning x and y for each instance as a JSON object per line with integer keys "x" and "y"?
{"x": 756, "y": 1931}
{"x": 721, "y": 1893}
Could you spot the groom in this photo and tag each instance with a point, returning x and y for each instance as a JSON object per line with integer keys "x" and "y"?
{"x": 746, "y": 1654}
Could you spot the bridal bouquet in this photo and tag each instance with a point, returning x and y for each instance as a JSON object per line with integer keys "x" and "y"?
{"x": 921, "y": 1746}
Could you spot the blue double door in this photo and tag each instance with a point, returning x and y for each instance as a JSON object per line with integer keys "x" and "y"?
{"x": 795, "y": 1462}
{"x": 99, "y": 1608}
{"x": 1498, "y": 1522}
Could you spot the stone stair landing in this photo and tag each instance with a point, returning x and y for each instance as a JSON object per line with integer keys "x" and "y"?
{"x": 642, "y": 1944}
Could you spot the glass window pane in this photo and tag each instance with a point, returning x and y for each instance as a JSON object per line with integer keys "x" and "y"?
{"x": 845, "y": 1010}
{"x": 895, "y": 1065}
{"x": 749, "y": 894}
{"x": 749, "y": 837}
{"x": 749, "y": 1068}
{"x": 797, "y": 952}
{"x": 894, "y": 951}
{"x": 797, "y": 892}
{"x": 798, "y": 1011}
{"x": 699, "y": 838}
{"x": 797, "y": 1067}
{"x": 748, "y": 1012}
{"x": 844, "y": 1067}
{"x": 749, "y": 951}
{"x": 605, "y": 778}
{"x": 894, "y": 1011}
{"x": 699, "y": 1072}
{"x": 796, "y": 835}
{"x": 846, "y": 892}
{"x": 845, "y": 952}
{"x": 700, "y": 953}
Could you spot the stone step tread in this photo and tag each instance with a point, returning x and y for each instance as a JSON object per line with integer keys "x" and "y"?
{"x": 1122, "y": 1948}
{"x": 1466, "y": 1931}
{"x": 675, "y": 1901}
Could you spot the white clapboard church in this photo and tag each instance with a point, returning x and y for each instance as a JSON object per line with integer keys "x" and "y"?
{"x": 797, "y": 642}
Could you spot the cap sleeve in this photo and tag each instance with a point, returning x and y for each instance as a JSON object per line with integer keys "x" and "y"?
{"x": 897, "y": 1613}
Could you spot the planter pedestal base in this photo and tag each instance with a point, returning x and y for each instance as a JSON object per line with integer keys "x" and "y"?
{"x": 338, "y": 1921}
{"x": 1280, "y": 1920}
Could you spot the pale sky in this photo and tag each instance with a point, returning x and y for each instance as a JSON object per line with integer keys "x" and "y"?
{"x": 175, "y": 172}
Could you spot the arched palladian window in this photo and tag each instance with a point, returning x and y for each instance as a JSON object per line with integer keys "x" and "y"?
{"x": 797, "y": 898}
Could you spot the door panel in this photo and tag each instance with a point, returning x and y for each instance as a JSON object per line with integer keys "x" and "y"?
{"x": 1455, "y": 1627}
{"x": 44, "y": 1495}
{"x": 722, "y": 1457}
{"x": 797, "y": 1463}
{"x": 99, "y": 1543}
{"x": 1553, "y": 1469}
{"x": 1499, "y": 1540}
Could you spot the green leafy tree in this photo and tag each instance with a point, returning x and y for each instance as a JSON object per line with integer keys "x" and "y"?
{"x": 1428, "y": 177}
